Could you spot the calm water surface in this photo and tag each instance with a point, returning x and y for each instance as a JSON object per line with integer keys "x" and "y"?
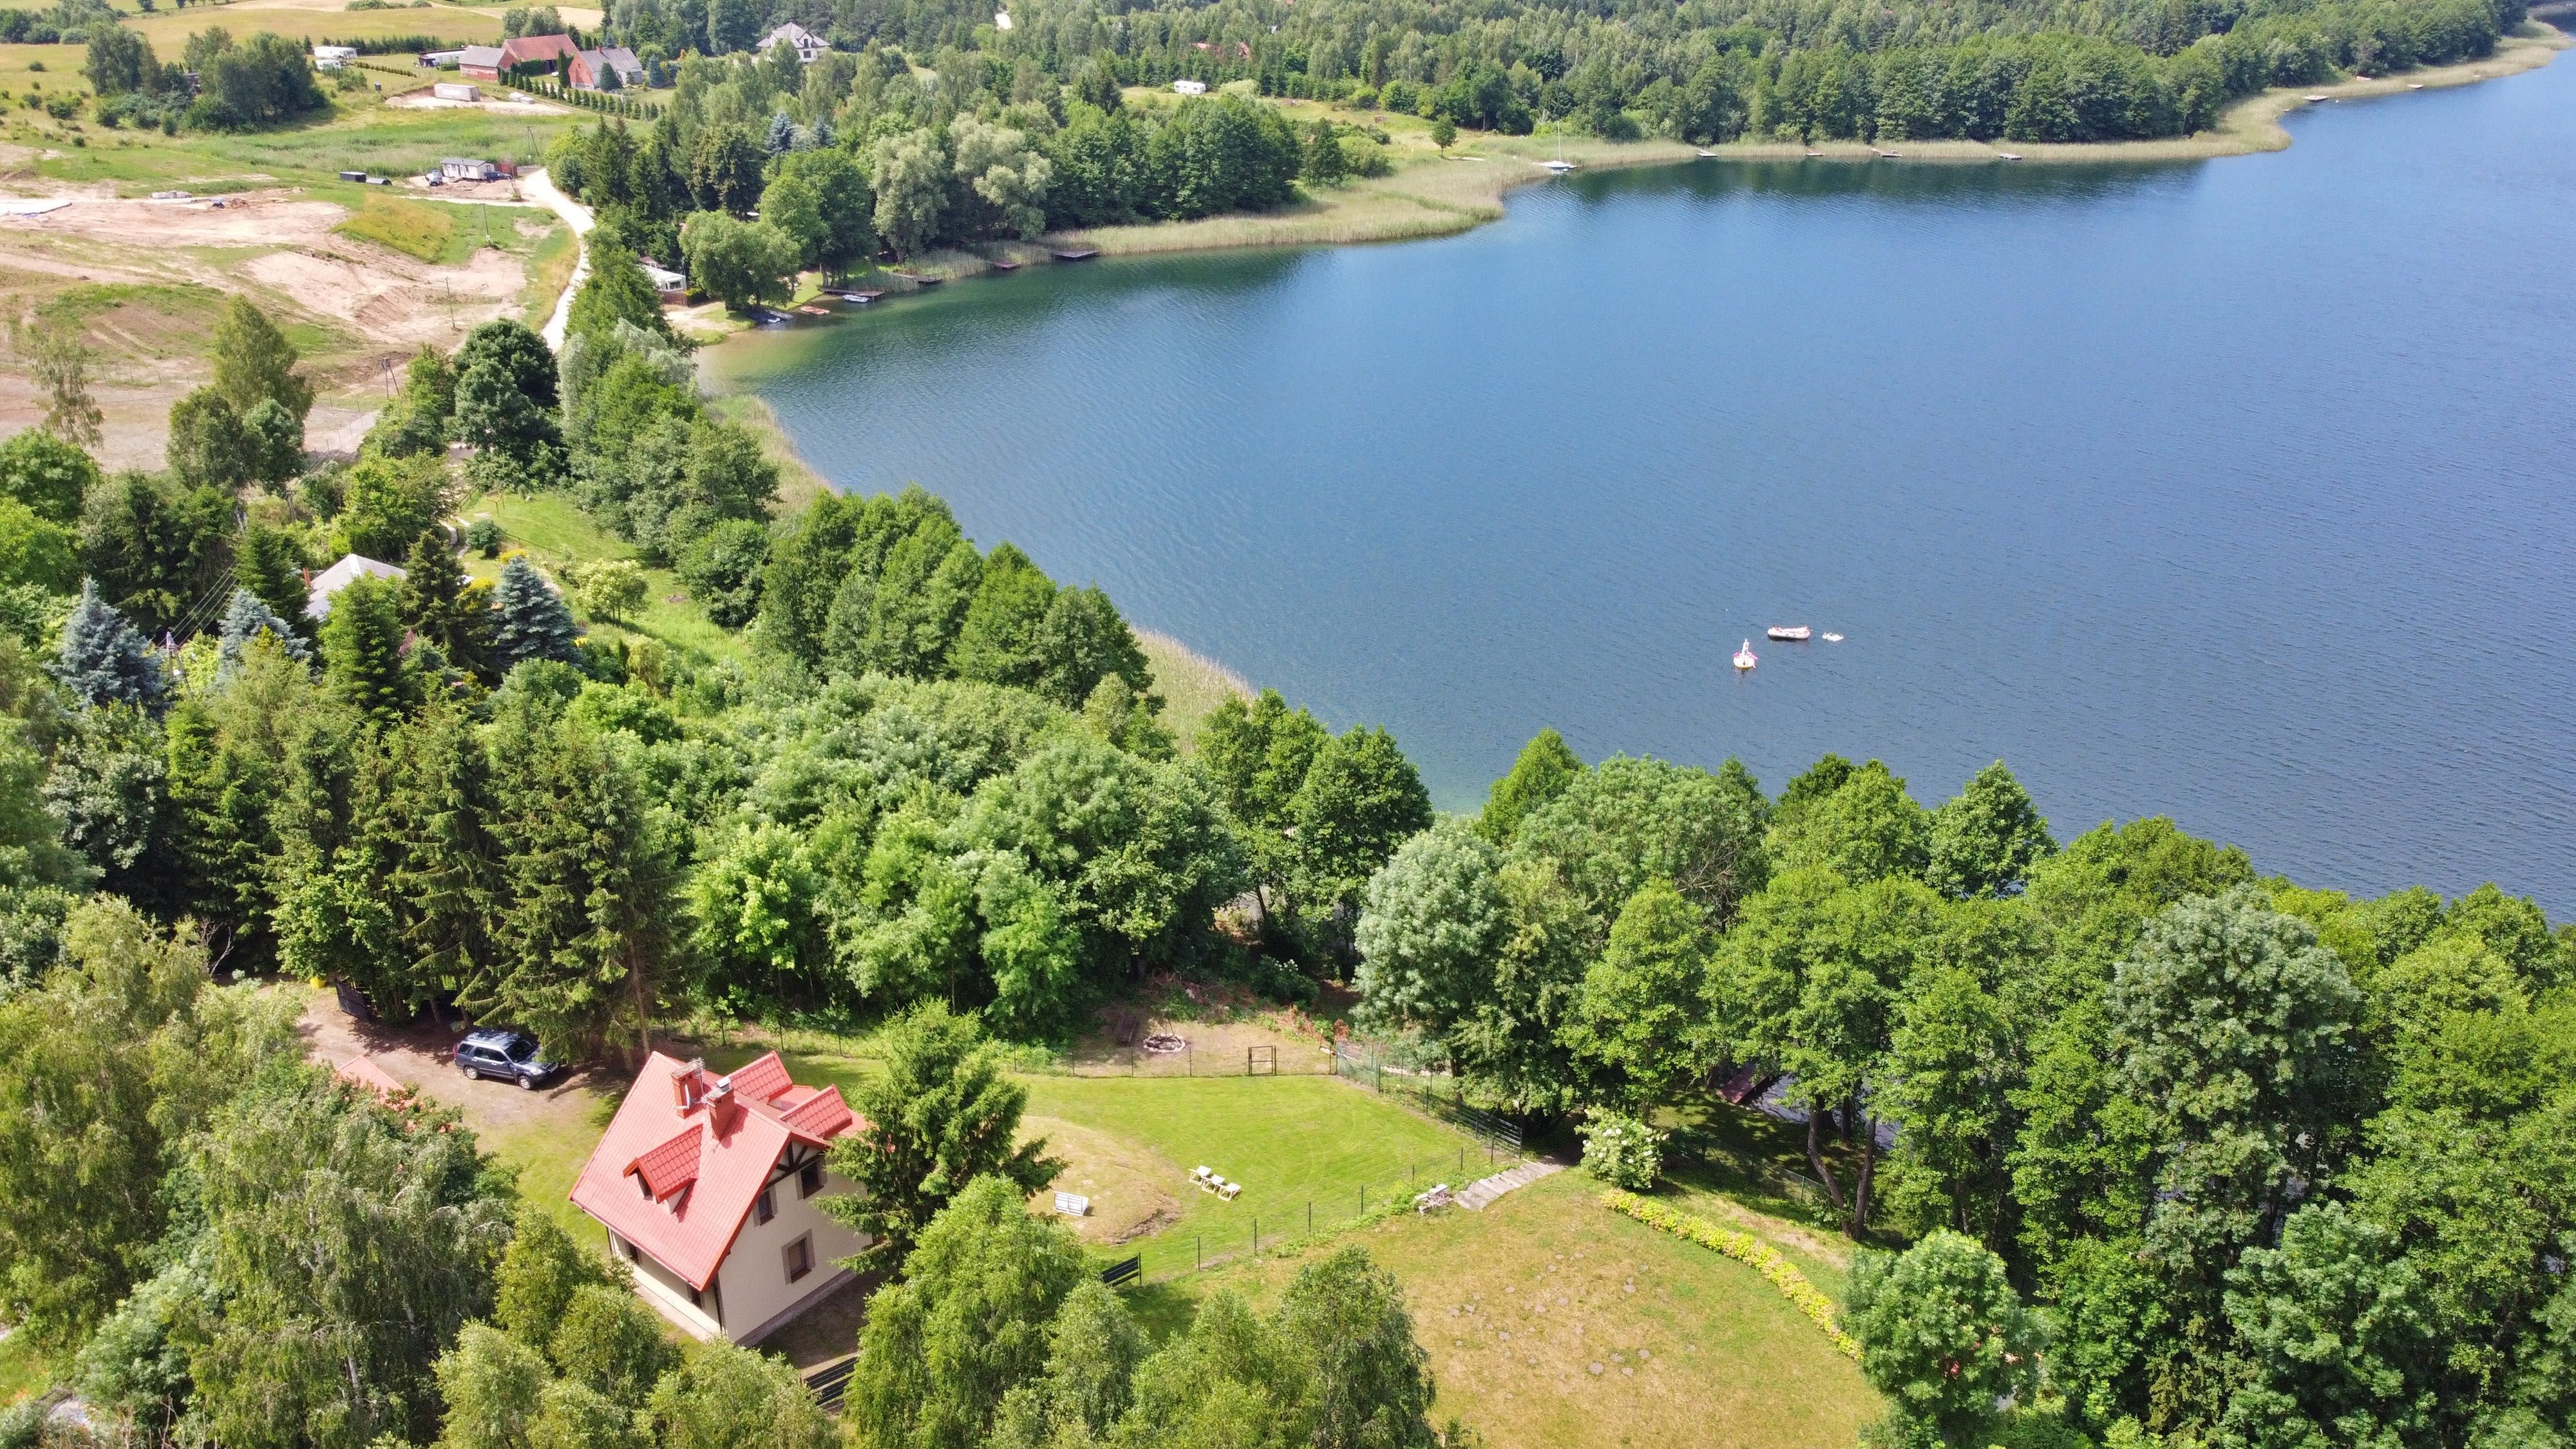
{"x": 2236, "y": 491}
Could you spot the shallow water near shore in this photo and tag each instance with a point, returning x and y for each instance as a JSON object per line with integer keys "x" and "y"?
{"x": 2235, "y": 491}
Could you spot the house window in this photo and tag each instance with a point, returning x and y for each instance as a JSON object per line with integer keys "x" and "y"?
{"x": 765, "y": 1206}
{"x": 800, "y": 1257}
{"x": 809, "y": 1178}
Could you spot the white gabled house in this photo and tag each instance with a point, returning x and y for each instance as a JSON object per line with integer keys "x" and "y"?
{"x": 708, "y": 1187}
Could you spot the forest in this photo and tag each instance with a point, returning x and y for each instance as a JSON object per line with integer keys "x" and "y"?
{"x": 1706, "y": 71}
{"x": 2141, "y": 1145}
{"x": 927, "y": 128}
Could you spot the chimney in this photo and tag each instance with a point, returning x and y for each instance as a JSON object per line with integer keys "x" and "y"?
{"x": 721, "y": 1107}
{"x": 688, "y": 1085}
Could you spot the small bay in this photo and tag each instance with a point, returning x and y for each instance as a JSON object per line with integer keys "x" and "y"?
{"x": 2235, "y": 491}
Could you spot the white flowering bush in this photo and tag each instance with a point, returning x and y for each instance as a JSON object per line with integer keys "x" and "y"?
{"x": 1622, "y": 1151}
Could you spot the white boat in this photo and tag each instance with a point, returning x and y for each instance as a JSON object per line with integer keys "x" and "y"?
{"x": 1559, "y": 167}
{"x": 1795, "y": 633}
{"x": 1833, "y": 638}
{"x": 1744, "y": 656}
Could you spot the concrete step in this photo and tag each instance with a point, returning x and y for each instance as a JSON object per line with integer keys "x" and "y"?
{"x": 1481, "y": 1194}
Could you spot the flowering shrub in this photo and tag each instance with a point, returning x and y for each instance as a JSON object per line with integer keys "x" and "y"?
{"x": 1622, "y": 1151}
{"x": 1743, "y": 1248}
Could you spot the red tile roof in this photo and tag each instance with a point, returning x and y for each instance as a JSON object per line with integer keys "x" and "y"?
{"x": 537, "y": 47}
{"x": 721, "y": 1148}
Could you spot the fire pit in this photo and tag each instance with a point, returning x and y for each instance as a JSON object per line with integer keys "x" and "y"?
{"x": 1163, "y": 1044}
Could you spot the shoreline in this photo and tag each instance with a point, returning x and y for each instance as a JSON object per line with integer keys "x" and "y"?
{"x": 1418, "y": 203}
{"x": 1411, "y": 205}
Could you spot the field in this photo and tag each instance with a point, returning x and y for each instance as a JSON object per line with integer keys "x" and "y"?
{"x": 358, "y": 276}
{"x": 1552, "y": 1321}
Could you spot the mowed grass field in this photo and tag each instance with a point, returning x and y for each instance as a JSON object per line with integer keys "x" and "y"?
{"x": 1517, "y": 1304}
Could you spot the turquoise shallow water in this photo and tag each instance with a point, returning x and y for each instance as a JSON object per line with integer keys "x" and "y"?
{"x": 2235, "y": 491}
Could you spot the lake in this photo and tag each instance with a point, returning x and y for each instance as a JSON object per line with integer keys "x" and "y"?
{"x": 2234, "y": 491}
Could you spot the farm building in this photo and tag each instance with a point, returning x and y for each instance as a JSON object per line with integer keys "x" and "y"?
{"x": 708, "y": 1187}
{"x": 538, "y": 50}
{"x": 480, "y": 62}
{"x": 611, "y": 67}
{"x": 469, "y": 168}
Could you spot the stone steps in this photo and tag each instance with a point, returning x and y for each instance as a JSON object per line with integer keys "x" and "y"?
{"x": 1481, "y": 1194}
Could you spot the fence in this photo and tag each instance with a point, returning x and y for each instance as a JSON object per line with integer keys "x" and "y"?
{"x": 1361, "y": 1065}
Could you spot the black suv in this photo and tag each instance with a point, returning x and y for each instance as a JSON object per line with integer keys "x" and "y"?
{"x": 505, "y": 1056}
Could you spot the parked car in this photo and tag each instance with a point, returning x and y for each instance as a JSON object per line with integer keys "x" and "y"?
{"x": 503, "y": 1056}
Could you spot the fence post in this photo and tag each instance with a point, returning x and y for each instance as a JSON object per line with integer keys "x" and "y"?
{"x": 1310, "y": 1217}
{"x": 1256, "y": 1239}
{"x": 1201, "y": 1254}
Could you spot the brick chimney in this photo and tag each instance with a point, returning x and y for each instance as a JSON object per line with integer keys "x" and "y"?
{"x": 689, "y": 1085}
{"x": 722, "y": 1110}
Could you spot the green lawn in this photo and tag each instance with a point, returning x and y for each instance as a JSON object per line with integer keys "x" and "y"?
{"x": 23, "y": 1370}
{"x": 554, "y": 531}
{"x": 1298, "y": 1144}
{"x": 1516, "y": 1303}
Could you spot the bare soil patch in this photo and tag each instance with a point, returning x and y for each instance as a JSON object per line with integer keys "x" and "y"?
{"x": 1127, "y": 1182}
{"x": 371, "y": 304}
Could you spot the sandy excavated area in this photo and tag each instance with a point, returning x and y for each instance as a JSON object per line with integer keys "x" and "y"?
{"x": 390, "y": 303}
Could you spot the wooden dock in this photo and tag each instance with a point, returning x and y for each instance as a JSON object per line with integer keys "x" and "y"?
{"x": 1074, "y": 254}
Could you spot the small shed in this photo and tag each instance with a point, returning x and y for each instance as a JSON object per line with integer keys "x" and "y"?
{"x": 350, "y": 568}
{"x": 480, "y": 62}
{"x": 468, "y": 168}
{"x": 456, "y": 91}
{"x": 332, "y": 57}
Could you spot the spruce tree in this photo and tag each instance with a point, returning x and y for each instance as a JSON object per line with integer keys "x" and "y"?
{"x": 362, "y": 650}
{"x": 254, "y": 363}
{"x": 104, "y": 659}
{"x": 439, "y": 609}
{"x": 447, "y": 882}
{"x": 587, "y": 922}
{"x": 247, "y": 618}
{"x": 268, "y": 563}
{"x": 533, "y": 623}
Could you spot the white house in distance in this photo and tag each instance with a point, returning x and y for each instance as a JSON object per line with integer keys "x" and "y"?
{"x": 708, "y": 1186}
{"x": 809, "y": 46}
{"x": 1189, "y": 87}
{"x": 351, "y": 567}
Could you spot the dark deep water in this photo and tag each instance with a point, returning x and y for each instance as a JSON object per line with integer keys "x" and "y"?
{"x": 2233, "y": 491}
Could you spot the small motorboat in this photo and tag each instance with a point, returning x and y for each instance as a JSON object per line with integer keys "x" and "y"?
{"x": 1794, "y": 633}
{"x": 2320, "y": 98}
{"x": 1744, "y": 655}
{"x": 1833, "y": 638}
{"x": 1560, "y": 167}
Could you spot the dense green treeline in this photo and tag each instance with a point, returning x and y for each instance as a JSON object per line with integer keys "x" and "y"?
{"x": 2279, "y": 1166}
{"x": 1700, "y": 71}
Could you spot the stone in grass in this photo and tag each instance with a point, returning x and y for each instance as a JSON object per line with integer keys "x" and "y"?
{"x": 1643, "y": 1355}
{"x": 1596, "y": 1366}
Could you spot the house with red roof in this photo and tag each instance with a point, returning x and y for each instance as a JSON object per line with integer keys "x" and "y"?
{"x": 537, "y": 50}
{"x": 709, "y": 1189}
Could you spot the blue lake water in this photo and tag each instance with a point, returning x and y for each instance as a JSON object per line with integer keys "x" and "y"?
{"x": 2235, "y": 491}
